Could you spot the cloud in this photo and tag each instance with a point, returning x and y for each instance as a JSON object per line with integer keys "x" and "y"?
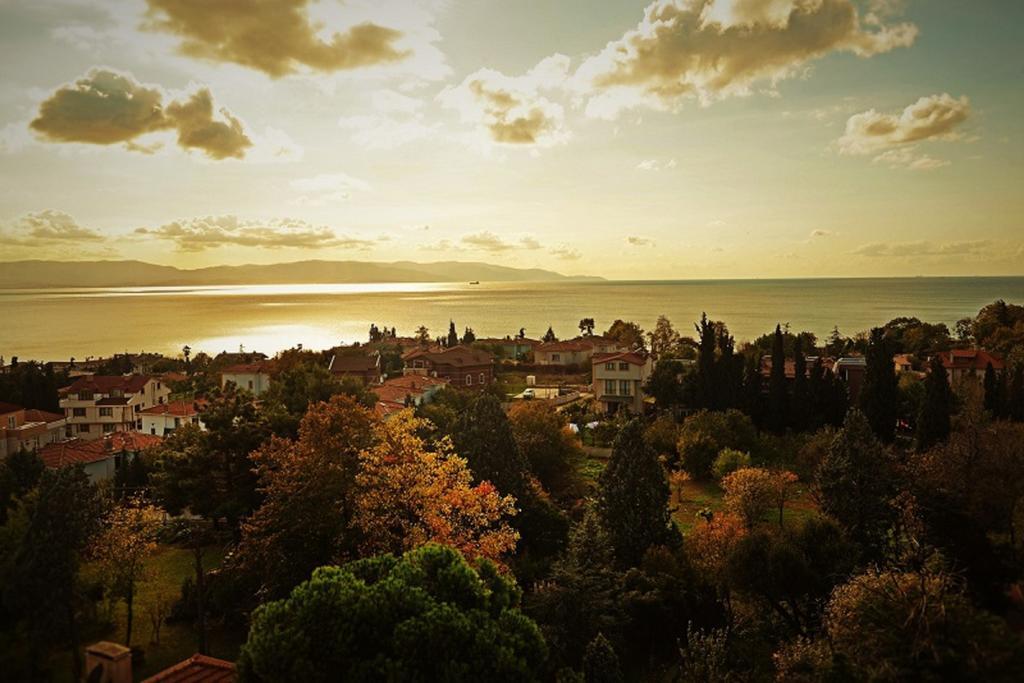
{"x": 922, "y": 248}
{"x": 655, "y": 165}
{"x": 106, "y": 107}
{"x": 934, "y": 117}
{"x": 46, "y": 228}
{"x": 640, "y": 241}
{"x": 488, "y": 241}
{"x": 908, "y": 157}
{"x": 510, "y": 109}
{"x": 277, "y": 38}
{"x": 326, "y": 188}
{"x": 566, "y": 253}
{"x": 710, "y": 50}
{"x": 198, "y": 234}
{"x": 394, "y": 119}
{"x": 821, "y": 233}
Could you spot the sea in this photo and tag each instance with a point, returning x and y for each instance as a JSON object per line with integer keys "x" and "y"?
{"x": 56, "y": 324}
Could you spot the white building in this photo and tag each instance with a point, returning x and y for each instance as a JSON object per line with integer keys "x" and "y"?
{"x": 96, "y": 405}
{"x": 28, "y": 429}
{"x": 163, "y": 419}
{"x": 253, "y": 377}
{"x": 619, "y": 380}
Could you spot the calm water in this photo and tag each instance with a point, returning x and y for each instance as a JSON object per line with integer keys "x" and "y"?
{"x": 57, "y": 324}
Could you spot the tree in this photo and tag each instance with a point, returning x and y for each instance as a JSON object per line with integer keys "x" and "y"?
{"x": 307, "y": 486}
{"x": 799, "y": 405}
{"x": 707, "y": 340}
{"x": 484, "y": 437}
{"x": 879, "y": 396}
{"x": 933, "y": 420}
{"x": 553, "y": 452}
{"x": 549, "y": 336}
{"x": 628, "y": 335}
{"x": 186, "y": 351}
{"x": 19, "y": 474}
{"x": 665, "y": 385}
{"x": 784, "y": 489}
{"x": 129, "y": 538}
{"x": 728, "y": 461}
{"x": 408, "y": 495}
{"x": 664, "y": 339}
{"x": 468, "y": 337}
{"x": 855, "y": 483}
{"x": 453, "y": 336}
{"x": 748, "y": 493}
{"x": 778, "y": 398}
{"x": 633, "y": 497}
{"x": 705, "y": 434}
{"x": 60, "y": 518}
{"x": 600, "y": 663}
{"x": 423, "y": 335}
{"x": 994, "y": 398}
{"x": 427, "y": 615}
{"x": 587, "y": 326}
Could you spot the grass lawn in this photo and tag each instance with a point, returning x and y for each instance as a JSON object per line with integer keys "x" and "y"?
{"x": 697, "y": 495}
{"x": 167, "y": 568}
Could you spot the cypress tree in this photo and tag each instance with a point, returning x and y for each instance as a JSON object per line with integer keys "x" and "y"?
{"x": 799, "y": 417}
{"x": 705, "y": 363}
{"x": 778, "y": 408}
{"x": 633, "y": 497}
{"x": 728, "y": 380}
{"x": 933, "y": 418}
{"x": 453, "y": 336}
{"x": 752, "y": 385}
{"x": 879, "y": 396}
{"x": 816, "y": 397}
{"x": 993, "y": 399}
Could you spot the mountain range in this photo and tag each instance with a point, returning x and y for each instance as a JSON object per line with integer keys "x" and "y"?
{"x": 43, "y": 274}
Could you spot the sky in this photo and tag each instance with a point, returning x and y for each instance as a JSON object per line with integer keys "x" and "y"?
{"x": 674, "y": 139}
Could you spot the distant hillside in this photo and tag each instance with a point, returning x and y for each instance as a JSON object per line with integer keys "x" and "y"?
{"x": 36, "y": 274}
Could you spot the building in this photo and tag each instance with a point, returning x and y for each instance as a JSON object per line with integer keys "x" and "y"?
{"x": 107, "y": 662}
{"x": 518, "y": 348}
{"x": 163, "y": 419}
{"x": 101, "y": 458}
{"x": 96, "y": 405}
{"x": 619, "y": 380}
{"x": 252, "y": 377}
{"x": 851, "y": 369}
{"x": 461, "y": 366}
{"x": 401, "y": 392}
{"x": 577, "y": 351}
{"x": 364, "y": 367}
{"x": 969, "y": 364}
{"x": 28, "y": 429}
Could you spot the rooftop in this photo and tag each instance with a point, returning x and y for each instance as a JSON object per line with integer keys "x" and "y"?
{"x": 104, "y": 384}
{"x": 76, "y": 451}
{"x": 176, "y": 408}
{"x": 196, "y": 669}
{"x": 456, "y": 355}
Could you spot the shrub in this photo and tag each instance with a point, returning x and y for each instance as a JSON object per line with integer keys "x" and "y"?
{"x": 728, "y": 461}
{"x": 704, "y": 435}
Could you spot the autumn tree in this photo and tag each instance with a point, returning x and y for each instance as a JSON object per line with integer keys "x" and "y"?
{"x": 783, "y": 489}
{"x": 553, "y": 452}
{"x": 307, "y": 486}
{"x": 748, "y": 493}
{"x": 933, "y": 419}
{"x": 628, "y": 335}
{"x": 855, "y": 482}
{"x": 633, "y": 497}
{"x": 408, "y": 495}
{"x": 127, "y": 541}
{"x": 664, "y": 339}
{"x": 427, "y": 615}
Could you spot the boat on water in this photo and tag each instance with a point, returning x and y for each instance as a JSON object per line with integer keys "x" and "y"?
{"x": 475, "y": 282}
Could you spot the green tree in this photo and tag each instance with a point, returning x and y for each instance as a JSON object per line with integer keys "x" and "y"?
{"x": 994, "y": 398}
{"x": 933, "y": 420}
{"x": 627, "y": 334}
{"x": 19, "y": 474}
{"x": 553, "y": 452}
{"x": 855, "y": 483}
{"x": 879, "y": 395}
{"x": 799, "y": 406}
{"x": 664, "y": 339}
{"x": 705, "y": 434}
{"x": 484, "y": 437}
{"x": 587, "y": 326}
{"x": 453, "y": 336}
{"x": 427, "y": 615}
{"x": 665, "y": 385}
{"x": 778, "y": 397}
{"x": 600, "y": 663}
{"x": 633, "y": 497}
{"x": 549, "y": 336}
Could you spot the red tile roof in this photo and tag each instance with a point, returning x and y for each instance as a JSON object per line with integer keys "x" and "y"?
{"x": 456, "y": 355}
{"x": 9, "y": 408}
{"x": 104, "y": 384}
{"x": 76, "y": 451}
{"x": 970, "y": 359}
{"x": 341, "y": 364}
{"x": 33, "y": 415}
{"x": 260, "y": 368}
{"x": 626, "y": 357}
{"x": 176, "y": 408}
{"x": 567, "y": 345}
{"x": 196, "y": 669}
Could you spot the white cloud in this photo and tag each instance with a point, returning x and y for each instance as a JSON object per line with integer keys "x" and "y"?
{"x": 199, "y": 234}
{"x": 656, "y": 165}
{"x": 326, "y": 188}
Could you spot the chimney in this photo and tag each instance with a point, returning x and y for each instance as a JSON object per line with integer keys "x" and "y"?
{"x": 107, "y": 662}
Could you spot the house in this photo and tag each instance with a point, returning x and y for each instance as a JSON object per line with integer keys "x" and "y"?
{"x": 576, "y": 351}
{"x": 619, "y": 380}
{"x": 401, "y": 392}
{"x": 252, "y": 377}
{"x": 518, "y": 348}
{"x": 969, "y": 364}
{"x": 459, "y": 365}
{"x": 904, "y": 362}
{"x": 851, "y": 369}
{"x": 364, "y": 367}
{"x": 95, "y": 405}
{"x": 27, "y": 428}
{"x": 107, "y": 662}
{"x": 163, "y": 419}
{"x": 101, "y": 458}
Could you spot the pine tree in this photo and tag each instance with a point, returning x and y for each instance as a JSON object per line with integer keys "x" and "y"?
{"x": 453, "y": 336}
{"x": 633, "y": 497}
{"x": 879, "y": 396}
{"x": 933, "y": 419}
{"x": 600, "y": 663}
{"x": 549, "y": 336}
{"x": 778, "y": 404}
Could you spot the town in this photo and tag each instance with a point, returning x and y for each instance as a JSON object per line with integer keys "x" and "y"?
{"x": 677, "y": 468}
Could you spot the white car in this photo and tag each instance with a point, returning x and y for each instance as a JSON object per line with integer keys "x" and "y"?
{"x": 529, "y": 393}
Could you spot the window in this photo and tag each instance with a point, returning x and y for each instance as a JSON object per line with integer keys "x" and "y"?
{"x": 625, "y": 388}
{"x": 609, "y": 387}
{"x": 482, "y": 379}
{"x": 106, "y": 412}
{"x": 623, "y": 366}
{"x": 67, "y": 431}
{"x": 609, "y": 366}
{"x": 78, "y": 412}
{"x": 158, "y": 385}
{"x": 469, "y": 380}
{"x": 11, "y": 422}
{"x": 555, "y": 357}
{"x": 177, "y": 422}
{"x": 250, "y": 385}
{"x": 152, "y": 430}
{"x": 107, "y": 428}
{"x": 84, "y": 395}
{"x": 83, "y": 428}
{"x": 116, "y": 393}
